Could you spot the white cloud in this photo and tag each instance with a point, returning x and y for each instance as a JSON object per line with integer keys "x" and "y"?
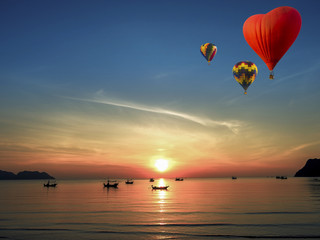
{"x": 99, "y": 98}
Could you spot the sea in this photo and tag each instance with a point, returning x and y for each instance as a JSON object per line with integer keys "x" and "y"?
{"x": 196, "y": 208}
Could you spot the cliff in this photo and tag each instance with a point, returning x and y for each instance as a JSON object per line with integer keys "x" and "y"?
{"x": 310, "y": 169}
{"x": 24, "y": 175}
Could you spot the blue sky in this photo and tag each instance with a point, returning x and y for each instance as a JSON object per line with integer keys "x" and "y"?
{"x": 122, "y": 83}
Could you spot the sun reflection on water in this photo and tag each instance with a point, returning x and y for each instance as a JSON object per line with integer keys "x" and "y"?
{"x": 161, "y": 197}
{"x": 161, "y": 182}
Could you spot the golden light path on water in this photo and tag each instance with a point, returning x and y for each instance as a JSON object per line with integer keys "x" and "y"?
{"x": 161, "y": 200}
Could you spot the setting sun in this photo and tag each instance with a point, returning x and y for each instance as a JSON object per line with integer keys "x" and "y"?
{"x": 162, "y": 164}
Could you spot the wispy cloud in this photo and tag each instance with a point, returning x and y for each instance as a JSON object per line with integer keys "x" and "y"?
{"x": 312, "y": 68}
{"x": 300, "y": 147}
{"x": 160, "y": 75}
{"x": 232, "y": 125}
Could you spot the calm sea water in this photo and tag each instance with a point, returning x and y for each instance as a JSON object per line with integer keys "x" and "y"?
{"x": 245, "y": 208}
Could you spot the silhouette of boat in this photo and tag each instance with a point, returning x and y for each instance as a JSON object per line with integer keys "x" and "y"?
{"x": 129, "y": 181}
{"x": 111, "y": 184}
{"x": 48, "y": 184}
{"x": 179, "y": 179}
{"x": 159, "y": 187}
{"x": 281, "y": 177}
{"x": 234, "y": 177}
{"x": 151, "y": 180}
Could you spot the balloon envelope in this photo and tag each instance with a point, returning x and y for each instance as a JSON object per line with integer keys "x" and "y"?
{"x": 208, "y": 50}
{"x": 245, "y": 72}
{"x": 270, "y": 35}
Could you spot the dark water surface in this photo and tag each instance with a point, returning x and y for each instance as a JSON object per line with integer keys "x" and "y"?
{"x": 217, "y": 208}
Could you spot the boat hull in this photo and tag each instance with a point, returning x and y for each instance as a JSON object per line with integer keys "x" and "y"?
{"x": 159, "y": 188}
{"x": 50, "y": 185}
{"x": 108, "y": 185}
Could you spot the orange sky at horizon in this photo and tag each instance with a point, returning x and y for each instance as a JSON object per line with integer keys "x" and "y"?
{"x": 75, "y": 167}
{"x": 80, "y": 144}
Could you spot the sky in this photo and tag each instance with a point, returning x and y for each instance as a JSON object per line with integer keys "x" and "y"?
{"x": 94, "y": 89}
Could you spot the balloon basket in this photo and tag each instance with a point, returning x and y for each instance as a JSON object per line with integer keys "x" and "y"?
{"x": 271, "y": 76}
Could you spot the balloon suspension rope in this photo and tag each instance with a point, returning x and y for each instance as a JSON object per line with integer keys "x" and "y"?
{"x": 271, "y": 76}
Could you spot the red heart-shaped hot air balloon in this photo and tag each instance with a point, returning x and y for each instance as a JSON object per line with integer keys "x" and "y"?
{"x": 270, "y": 35}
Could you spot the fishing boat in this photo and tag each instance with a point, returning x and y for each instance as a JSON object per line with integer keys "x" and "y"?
{"x": 129, "y": 181}
{"x": 151, "y": 180}
{"x": 179, "y": 179}
{"x": 281, "y": 177}
{"x": 48, "y": 184}
{"x": 234, "y": 177}
{"x": 111, "y": 184}
{"x": 159, "y": 187}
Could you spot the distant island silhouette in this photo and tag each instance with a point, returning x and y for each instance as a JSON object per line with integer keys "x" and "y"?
{"x": 25, "y": 175}
{"x": 310, "y": 169}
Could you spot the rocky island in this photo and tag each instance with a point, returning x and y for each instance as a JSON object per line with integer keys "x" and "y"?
{"x": 25, "y": 175}
{"x": 310, "y": 169}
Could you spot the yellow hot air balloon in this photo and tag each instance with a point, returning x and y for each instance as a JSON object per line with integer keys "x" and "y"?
{"x": 245, "y": 72}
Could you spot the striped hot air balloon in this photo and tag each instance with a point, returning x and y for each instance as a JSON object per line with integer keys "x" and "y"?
{"x": 208, "y": 50}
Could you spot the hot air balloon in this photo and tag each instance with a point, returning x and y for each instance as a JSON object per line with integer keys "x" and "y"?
{"x": 270, "y": 35}
{"x": 208, "y": 50}
{"x": 245, "y": 72}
